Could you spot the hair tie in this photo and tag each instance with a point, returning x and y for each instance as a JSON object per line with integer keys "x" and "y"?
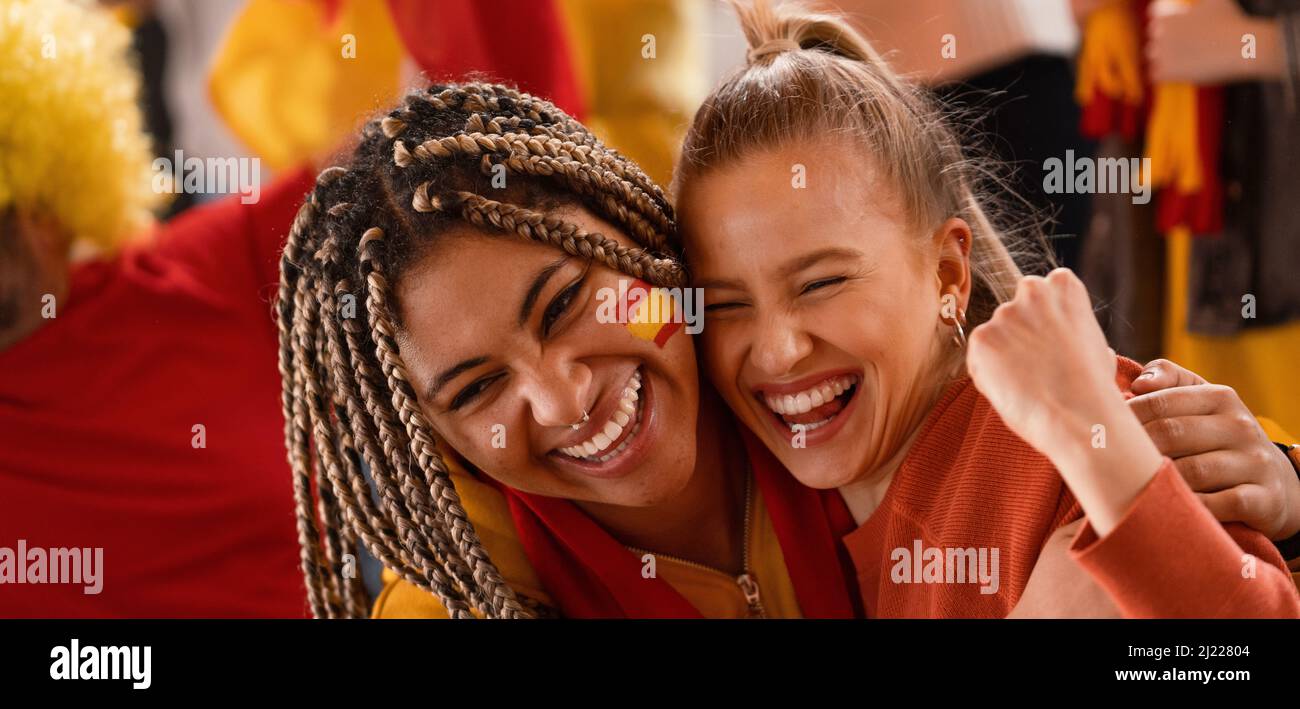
{"x": 773, "y": 46}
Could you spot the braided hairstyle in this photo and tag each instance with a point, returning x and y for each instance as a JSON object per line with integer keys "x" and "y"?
{"x": 347, "y": 400}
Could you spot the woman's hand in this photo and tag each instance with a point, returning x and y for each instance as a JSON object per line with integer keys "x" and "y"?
{"x": 1219, "y": 448}
{"x": 1202, "y": 43}
{"x": 1043, "y": 363}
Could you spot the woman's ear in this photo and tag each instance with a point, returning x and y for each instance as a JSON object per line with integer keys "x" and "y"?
{"x": 952, "y": 240}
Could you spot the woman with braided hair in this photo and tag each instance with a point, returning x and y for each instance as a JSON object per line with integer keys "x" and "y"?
{"x": 454, "y": 402}
{"x": 503, "y": 451}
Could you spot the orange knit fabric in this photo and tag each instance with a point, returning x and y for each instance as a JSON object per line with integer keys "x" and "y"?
{"x": 969, "y": 485}
{"x": 1169, "y": 558}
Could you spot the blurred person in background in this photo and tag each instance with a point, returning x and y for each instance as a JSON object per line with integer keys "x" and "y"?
{"x": 1232, "y": 297}
{"x": 1206, "y": 91}
{"x": 137, "y": 386}
{"x": 164, "y": 330}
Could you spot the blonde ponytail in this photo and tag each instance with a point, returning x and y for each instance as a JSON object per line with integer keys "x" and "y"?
{"x": 811, "y": 76}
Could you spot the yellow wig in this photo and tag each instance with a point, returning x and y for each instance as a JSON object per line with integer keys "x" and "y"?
{"x": 72, "y": 144}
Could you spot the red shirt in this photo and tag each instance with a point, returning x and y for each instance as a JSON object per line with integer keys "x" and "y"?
{"x": 970, "y": 487}
{"x": 98, "y": 416}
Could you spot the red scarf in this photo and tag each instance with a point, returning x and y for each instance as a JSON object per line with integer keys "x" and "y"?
{"x": 589, "y": 574}
{"x": 809, "y": 526}
{"x": 1201, "y": 211}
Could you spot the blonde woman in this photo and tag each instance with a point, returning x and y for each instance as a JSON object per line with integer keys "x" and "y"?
{"x": 477, "y": 382}
{"x": 869, "y": 324}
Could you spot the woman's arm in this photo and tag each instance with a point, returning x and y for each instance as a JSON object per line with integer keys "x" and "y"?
{"x": 1213, "y": 42}
{"x": 1167, "y": 557}
{"x": 1059, "y": 588}
{"x": 1043, "y": 363}
{"x": 1222, "y": 452}
{"x": 234, "y": 248}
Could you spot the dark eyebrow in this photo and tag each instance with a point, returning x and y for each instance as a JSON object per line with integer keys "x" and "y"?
{"x": 451, "y": 374}
{"x": 535, "y": 289}
{"x": 525, "y": 311}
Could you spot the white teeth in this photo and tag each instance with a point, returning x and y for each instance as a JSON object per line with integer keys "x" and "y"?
{"x": 624, "y": 444}
{"x": 812, "y": 397}
{"x": 612, "y": 429}
{"x": 810, "y": 426}
{"x": 626, "y": 413}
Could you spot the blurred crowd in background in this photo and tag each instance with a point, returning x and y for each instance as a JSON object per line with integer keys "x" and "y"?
{"x": 237, "y": 78}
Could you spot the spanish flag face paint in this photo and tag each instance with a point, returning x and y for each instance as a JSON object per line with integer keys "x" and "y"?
{"x": 651, "y": 312}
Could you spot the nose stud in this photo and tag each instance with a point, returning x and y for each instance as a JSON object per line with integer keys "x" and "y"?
{"x": 585, "y": 418}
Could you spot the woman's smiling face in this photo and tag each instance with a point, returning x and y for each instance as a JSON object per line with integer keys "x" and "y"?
{"x": 502, "y": 342}
{"x": 822, "y": 326}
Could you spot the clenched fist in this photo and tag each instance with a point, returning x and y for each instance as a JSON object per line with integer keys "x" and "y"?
{"x": 1043, "y": 363}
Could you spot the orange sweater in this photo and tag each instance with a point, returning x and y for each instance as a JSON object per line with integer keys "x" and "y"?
{"x": 962, "y": 523}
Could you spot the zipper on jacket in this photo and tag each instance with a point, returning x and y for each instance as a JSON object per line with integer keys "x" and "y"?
{"x": 746, "y": 582}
